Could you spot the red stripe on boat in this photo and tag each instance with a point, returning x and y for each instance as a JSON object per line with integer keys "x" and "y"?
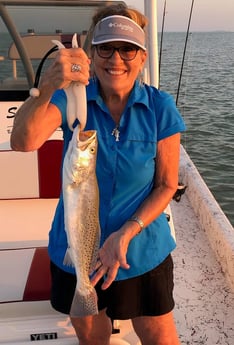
{"x": 49, "y": 166}
{"x": 39, "y": 281}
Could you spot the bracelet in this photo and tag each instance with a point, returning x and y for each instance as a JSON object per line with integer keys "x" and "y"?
{"x": 139, "y": 222}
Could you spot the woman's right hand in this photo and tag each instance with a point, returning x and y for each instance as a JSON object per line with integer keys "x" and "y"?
{"x": 59, "y": 75}
{"x": 37, "y": 119}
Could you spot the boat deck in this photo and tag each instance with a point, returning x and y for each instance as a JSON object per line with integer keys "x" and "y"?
{"x": 204, "y": 310}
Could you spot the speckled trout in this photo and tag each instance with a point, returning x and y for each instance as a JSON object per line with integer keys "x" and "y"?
{"x": 81, "y": 211}
{"x": 81, "y": 198}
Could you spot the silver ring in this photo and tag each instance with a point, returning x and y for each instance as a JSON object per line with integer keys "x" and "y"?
{"x": 75, "y": 68}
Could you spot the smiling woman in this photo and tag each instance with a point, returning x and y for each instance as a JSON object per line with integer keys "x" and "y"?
{"x": 138, "y": 129}
{"x": 118, "y": 34}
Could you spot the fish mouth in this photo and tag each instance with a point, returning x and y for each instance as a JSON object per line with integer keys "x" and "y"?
{"x": 86, "y": 138}
{"x": 87, "y": 135}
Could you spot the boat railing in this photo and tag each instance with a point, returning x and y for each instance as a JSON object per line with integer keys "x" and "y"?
{"x": 36, "y": 46}
{"x": 210, "y": 217}
{"x": 19, "y": 62}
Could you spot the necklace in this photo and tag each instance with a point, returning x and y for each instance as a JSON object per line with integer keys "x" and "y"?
{"x": 116, "y": 133}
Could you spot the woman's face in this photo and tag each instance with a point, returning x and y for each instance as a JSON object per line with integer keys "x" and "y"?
{"x": 115, "y": 74}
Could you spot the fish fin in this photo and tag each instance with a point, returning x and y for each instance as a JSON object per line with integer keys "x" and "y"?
{"x": 94, "y": 258}
{"x": 84, "y": 305}
{"x": 67, "y": 261}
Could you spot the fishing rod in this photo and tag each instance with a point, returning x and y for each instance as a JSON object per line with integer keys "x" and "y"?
{"x": 185, "y": 46}
{"x": 161, "y": 42}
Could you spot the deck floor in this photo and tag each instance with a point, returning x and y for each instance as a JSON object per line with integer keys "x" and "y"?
{"x": 204, "y": 311}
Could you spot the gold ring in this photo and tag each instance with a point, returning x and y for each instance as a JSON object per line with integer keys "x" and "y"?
{"x": 75, "y": 68}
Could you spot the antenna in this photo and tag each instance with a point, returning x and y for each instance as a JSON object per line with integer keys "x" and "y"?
{"x": 161, "y": 43}
{"x": 185, "y": 46}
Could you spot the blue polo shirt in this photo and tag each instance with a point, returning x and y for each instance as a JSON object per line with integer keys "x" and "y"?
{"x": 125, "y": 171}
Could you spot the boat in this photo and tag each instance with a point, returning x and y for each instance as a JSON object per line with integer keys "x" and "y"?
{"x": 30, "y": 187}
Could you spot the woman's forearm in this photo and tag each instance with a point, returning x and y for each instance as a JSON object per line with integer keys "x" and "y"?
{"x": 33, "y": 122}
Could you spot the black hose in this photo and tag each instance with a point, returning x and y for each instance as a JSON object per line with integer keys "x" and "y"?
{"x": 39, "y": 68}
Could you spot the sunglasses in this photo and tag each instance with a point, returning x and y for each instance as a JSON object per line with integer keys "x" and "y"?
{"x": 127, "y": 53}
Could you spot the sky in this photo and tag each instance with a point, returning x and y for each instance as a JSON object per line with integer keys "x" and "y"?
{"x": 208, "y": 15}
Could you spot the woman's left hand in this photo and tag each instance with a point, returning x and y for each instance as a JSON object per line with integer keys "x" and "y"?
{"x": 112, "y": 255}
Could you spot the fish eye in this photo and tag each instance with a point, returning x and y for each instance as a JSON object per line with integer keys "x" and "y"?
{"x": 92, "y": 150}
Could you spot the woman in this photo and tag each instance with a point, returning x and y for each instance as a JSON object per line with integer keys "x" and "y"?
{"x": 137, "y": 169}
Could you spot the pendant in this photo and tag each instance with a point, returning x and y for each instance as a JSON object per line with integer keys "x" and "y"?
{"x": 116, "y": 133}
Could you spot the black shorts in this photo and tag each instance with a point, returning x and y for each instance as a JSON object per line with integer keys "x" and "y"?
{"x": 150, "y": 294}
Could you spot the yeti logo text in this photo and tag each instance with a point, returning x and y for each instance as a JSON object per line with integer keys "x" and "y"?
{"x": 121, "y": 26}
{"x": 43, "y": 336}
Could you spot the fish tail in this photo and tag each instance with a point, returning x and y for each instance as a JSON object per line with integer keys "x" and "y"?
{"x": 84, "y": 305}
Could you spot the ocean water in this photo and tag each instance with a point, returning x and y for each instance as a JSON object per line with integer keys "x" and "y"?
{"x": 206, "y": 102}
